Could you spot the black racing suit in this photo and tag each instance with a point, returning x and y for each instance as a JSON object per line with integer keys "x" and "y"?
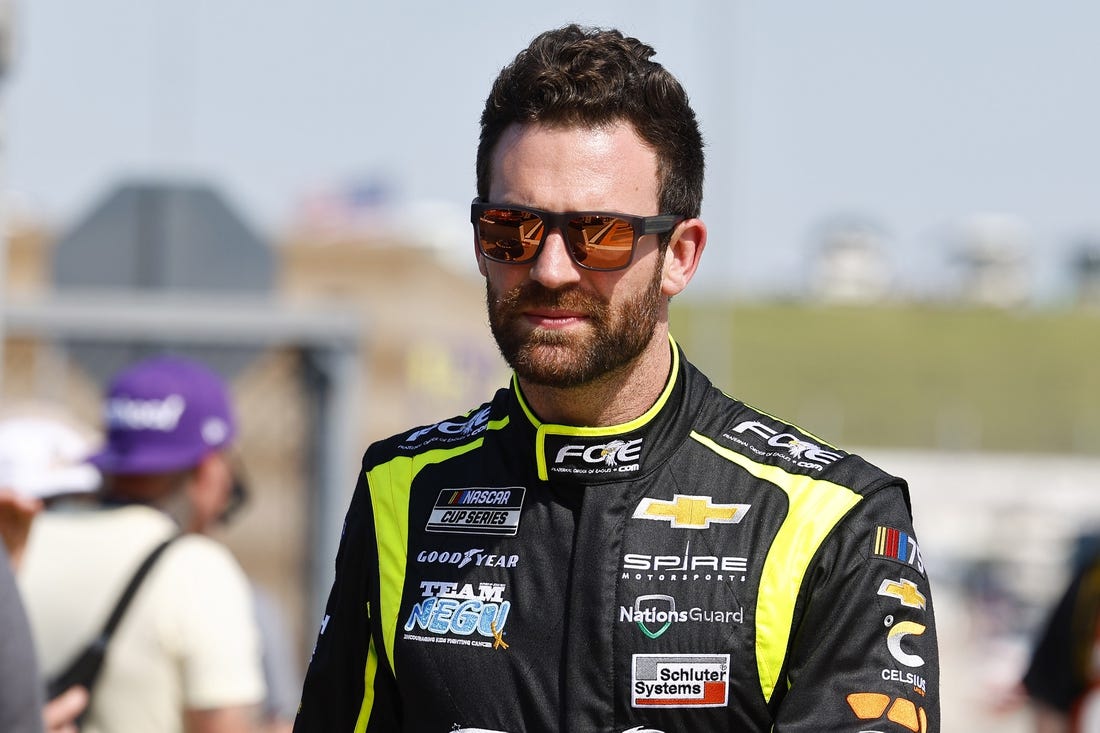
{"x": 705, "y": 567}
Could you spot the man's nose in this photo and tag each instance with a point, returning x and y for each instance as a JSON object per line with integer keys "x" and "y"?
{"x": 554, "y": 266}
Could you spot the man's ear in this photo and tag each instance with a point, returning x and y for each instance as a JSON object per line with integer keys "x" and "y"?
{"x": 682, "y": 255}
{"x": 209, "y": 490}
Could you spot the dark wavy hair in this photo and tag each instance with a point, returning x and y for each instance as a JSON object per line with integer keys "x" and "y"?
{"x": 590, "y": 77}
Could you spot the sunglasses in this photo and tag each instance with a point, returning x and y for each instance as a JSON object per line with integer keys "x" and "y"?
{"x": 598, "y": 240}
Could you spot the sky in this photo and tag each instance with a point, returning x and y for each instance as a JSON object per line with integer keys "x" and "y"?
{"x": 908, "y": 118}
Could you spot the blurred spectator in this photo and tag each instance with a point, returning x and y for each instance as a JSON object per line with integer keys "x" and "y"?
{"x": 42, "y": 456}
{"x": 20, "y": 692}
{"x": 1063, "y": 678}
{"x": 187, "y": 653}
{"x": 40, "y": 459}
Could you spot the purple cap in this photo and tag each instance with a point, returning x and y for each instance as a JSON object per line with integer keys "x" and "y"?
{"x": 164, "y": 414}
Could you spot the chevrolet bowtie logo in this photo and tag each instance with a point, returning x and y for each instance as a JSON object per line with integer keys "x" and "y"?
{"x": 690, "y": 512}
{"x": 905, "y": 591}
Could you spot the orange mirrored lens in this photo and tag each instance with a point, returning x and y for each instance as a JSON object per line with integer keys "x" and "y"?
{"x": 596, "y": 241}
{"x": 601, "y": 242}
{"x": 509, "y": 235}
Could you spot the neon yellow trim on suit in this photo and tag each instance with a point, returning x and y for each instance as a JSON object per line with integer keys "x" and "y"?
{"x": 542, "y": 429}
{"x": 390, "y": 484}
{"x": 368, "y": 686}
{"x": 815, "y": 508}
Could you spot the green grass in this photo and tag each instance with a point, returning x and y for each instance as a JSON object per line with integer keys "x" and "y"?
{"x": 908, "y": 376}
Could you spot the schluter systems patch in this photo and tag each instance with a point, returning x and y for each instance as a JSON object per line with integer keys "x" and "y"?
{"x": 477, "y": 511}
{"x": 680, "y": 680}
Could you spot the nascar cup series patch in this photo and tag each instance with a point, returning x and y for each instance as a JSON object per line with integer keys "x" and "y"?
{"x": 493, "y": 511}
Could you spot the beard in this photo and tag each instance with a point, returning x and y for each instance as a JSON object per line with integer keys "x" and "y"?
{"x": 613, "y": 337}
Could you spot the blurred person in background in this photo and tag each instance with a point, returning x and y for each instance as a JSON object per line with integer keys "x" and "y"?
{"x": 1062, "y": 680}
{"x": 612, "y": 543}
{"x": 186, "y": 655}
{"x": 20, "y": 688}
{"x": 41, "y": 454}
{"x": 21, "y": 693}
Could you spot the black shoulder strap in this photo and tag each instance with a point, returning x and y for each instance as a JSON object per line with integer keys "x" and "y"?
{"x": 84, "y": 670}
{"x": 131, "y": 588}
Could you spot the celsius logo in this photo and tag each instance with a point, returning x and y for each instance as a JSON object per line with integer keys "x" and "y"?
{"x": 620, "y": 455}
{"x": 896, "y": 636}
{"x": 794, "y": 449}
{"x": 450, "y": 428}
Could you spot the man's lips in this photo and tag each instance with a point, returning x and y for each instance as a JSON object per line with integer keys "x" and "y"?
{"x": 550, "y": 318}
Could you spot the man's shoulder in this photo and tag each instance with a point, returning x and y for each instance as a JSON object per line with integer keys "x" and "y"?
{"x": 196, "y": 566}
{"x": 450, "y": 434}
{"x": 766, "y": 440}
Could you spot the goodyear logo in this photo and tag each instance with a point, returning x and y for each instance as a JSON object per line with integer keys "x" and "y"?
{"x": 690, "y": 512}
{"x": 680, "y": 680}
{"x": 492, "y": 511}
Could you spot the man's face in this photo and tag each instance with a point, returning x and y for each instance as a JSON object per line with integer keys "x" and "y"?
{"x": 558, "y": 324}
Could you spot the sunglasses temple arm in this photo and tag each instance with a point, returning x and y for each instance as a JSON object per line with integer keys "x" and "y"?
{"x": 660, "y": 224}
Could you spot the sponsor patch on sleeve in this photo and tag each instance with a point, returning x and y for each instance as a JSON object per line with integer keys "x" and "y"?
{"x": 897, "y": 545}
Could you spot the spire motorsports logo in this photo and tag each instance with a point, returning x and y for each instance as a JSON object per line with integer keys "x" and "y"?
{"x": 643, "y": 566}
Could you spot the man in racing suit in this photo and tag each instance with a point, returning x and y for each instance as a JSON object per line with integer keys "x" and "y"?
{"x": 612, "y": 544}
